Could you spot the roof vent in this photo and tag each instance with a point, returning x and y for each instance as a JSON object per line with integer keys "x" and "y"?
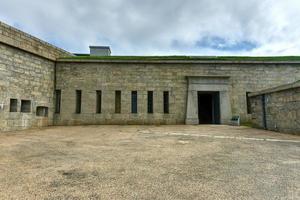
{"x": 100, "y": 51}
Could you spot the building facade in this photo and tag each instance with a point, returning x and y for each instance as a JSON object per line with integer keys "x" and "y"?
{"x": 43, "y": 85}
{"x": 223, "y": 87}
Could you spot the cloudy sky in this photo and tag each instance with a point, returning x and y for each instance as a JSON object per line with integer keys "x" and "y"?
{"x": 162, "y": 27}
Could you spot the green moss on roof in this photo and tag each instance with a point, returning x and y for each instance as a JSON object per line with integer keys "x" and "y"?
{"x": 192, "y": 58}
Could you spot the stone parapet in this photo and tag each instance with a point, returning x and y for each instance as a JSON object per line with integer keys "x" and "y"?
{"x": 18, "y": 39}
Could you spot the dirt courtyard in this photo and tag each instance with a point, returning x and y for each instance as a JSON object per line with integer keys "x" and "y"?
{"x": 149, "y": 162}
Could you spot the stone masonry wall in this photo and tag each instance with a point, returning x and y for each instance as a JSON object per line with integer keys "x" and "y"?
{"x": 90, "y": 76}
{"x": 26, "y": 73}
{"x": 282, "y": 109}
{"x": 24, "y": 77}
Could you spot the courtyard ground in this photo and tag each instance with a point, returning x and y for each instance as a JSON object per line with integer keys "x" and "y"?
{"x": 149, "y": 162}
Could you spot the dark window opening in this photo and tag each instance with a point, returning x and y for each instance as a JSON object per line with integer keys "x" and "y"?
{"x": 78, "y": 101}
{"x": 42, "y": 111}
{"x": 13, "y": 107}
{"x": 166, "y": 102}
{"x": 26, "y": 106}
{"x": 99, "y": 101}
{"x": 134, "y": 102}
{"x": 118, "y": 102}
{"x": 150, "y": 102}
{"x": 57, "y": 101}
{"x": 248, "y": 103}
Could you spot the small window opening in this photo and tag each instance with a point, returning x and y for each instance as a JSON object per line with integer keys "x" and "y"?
{"x": 118, "y": 101}
{"x": 134, "y": 102}
{"x": 25, "y": 106}
{"x": 13, "y": 106}
{"x": 98, "y": 101}
{"x": 150, "y": 102}
{"x": 166, "y": 102}
{"x": 78, "y": 101}
{"x": 42, "y": 111}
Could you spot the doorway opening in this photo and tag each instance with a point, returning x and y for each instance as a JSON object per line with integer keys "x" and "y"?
{"x": 209, "y": 107}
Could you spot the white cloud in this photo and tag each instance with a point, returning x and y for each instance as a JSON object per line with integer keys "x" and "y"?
{"x": 153, "y": 26}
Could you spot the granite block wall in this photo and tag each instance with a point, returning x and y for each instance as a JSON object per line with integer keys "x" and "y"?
{"x": 108, "y": 76}
{"x": 24, "y": 77}
{"x": 30, "y": 71}
{"x": 26, "y": 73}
{"x": 282, "y": 109}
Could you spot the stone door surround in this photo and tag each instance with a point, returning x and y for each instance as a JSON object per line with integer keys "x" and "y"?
{"x": 208, "y": 84}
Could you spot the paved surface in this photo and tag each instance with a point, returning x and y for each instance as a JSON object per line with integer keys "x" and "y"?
{"x": 149, "y": 162}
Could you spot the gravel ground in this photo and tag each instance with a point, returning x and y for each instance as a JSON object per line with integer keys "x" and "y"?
{"x": 149, "y": 162}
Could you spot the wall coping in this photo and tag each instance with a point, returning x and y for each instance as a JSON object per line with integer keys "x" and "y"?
{"x": 277, "y": 89}
{"x": 26, "y": 42}
{"x": 76, "y": 60}
{"x": 208, "y": 76}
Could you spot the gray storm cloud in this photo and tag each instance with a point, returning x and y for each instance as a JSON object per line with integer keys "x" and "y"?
{"x": 195, "y": 27}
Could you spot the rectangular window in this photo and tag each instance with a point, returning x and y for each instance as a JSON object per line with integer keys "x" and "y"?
{"x": 26, "y": 106}
{"x": 248, "y": 103}
{"x": 99, "y": 101}
{"x": 166, "y": 102}
{"x": 57, "y": 100}
{"x": 118, "y": 102}
{"x": 42, "y": 111}
{"x": 134, "y": 102}
{"x": 150, "y": 101}
{"x": 13, "y": 107}
{"x": 78, "y": 102}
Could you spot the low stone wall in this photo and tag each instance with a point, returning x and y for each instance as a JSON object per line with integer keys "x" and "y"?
{"x": 277, "y": 109}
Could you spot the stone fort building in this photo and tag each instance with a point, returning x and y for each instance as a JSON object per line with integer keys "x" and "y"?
{"x": 43, "y": 85}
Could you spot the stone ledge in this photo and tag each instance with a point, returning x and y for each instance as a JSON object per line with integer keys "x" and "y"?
{"x": 277, "y": 89}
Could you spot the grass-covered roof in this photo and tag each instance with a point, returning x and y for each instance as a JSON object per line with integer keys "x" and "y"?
{"x": 184, "y": 58}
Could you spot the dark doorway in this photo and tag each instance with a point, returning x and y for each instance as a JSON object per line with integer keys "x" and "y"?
{"x": 209, "y": 107}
